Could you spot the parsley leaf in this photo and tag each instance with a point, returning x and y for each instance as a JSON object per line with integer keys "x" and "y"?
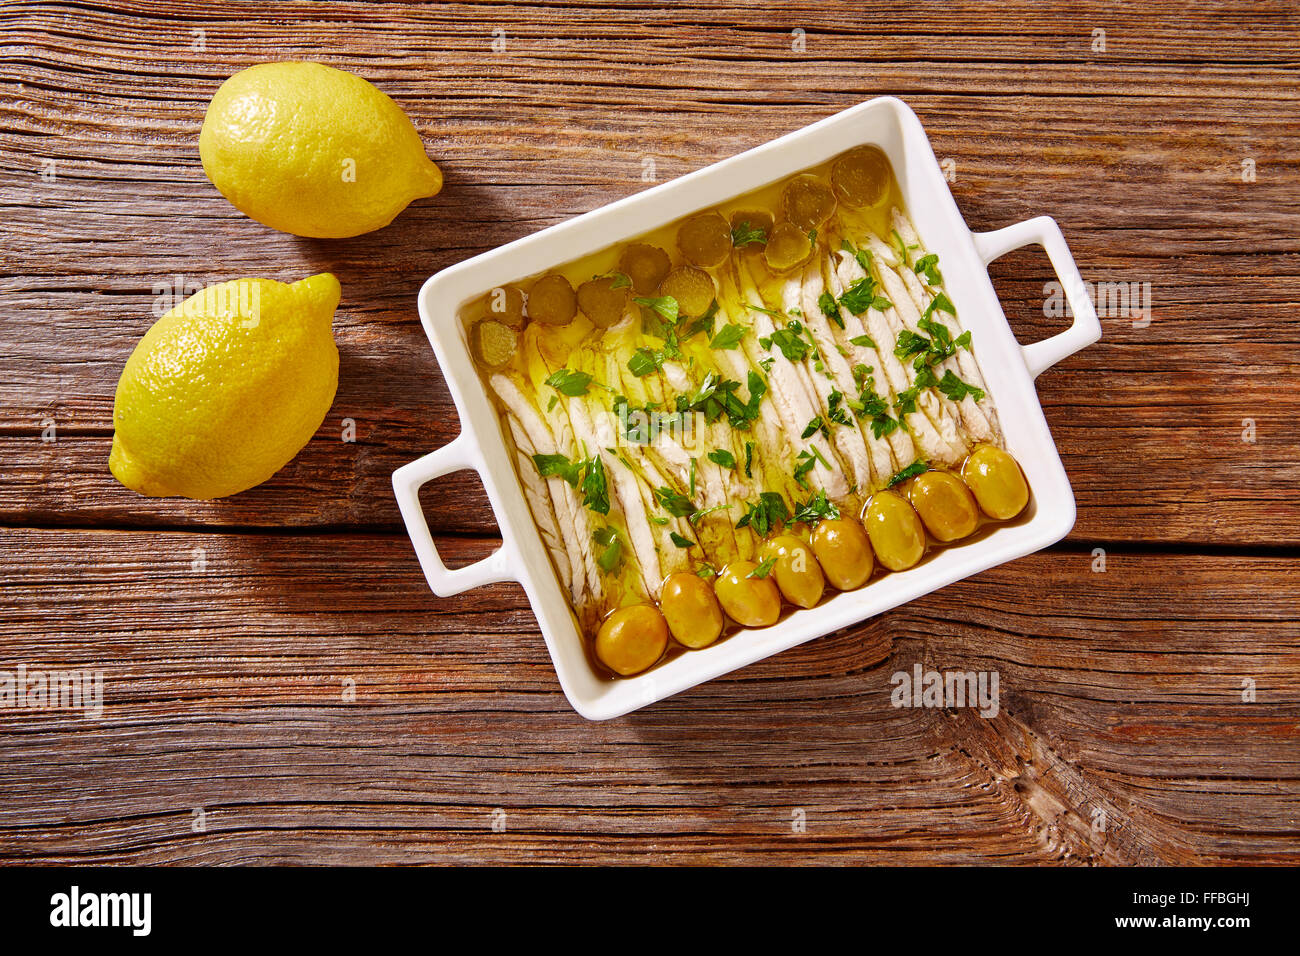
{"x": 762, "y": 569}
{"x": 743, "y": 233}
{"x": 722, "y": 458}
{"x": 830, "y": 309}
{"x": 674, "y": 502}
{"x": 665, "y": 305}
{"x": 956, "y": 389}
{"x": 911, "y": 471}
{"x": 681, "y": 540}
{"x": 770, "y": 511}
{"x": 864, "y": 341}
{"x": 595, "y": 492}
{"x": 611, "y": 549}
{"x": 567, "y": 382}
{"x": 816, "y": 508}
{"x": 727, "y": 337}
{"x": 928, "y": 266}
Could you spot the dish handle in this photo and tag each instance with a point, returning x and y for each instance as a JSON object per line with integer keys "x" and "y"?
{"x": 1086, "y": 328}
{"x": 407, "y": 482}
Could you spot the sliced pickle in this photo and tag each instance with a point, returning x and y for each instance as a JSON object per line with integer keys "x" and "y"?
{"x": 807, "y": 201}
{"x": 705, "y": 240}
{"x": 645, "y": 265}
{"x": 604, "y": 300}
{"x": 750, "y": 229}
{"x": 552, "y": 301}
{"x": 506, "y": 304}
{"x": 493, "y": 343}
{"x": 861, "y": 177}
{"x": 787, "y": 247}
{"x": 692, "y": 288}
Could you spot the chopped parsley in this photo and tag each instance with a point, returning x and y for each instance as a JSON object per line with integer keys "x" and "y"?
{"x": 664, "y": 305}
{"x": 911, "y": 471}
{"x": 568, "y": 382}
{"x": 587, "y": 475}
{"x": 762, "y": 569}
{"x": 956, "y": 389}
{"x": 830, "y": 308}
{"x": 611, "y": 546}
{"x": 681, "y": 540}
{"x": 674, "y": 502}
{"x": 816, "y": 508}
{"x": 863, "y": 341}
{"x": 862, "y": 255}
{"x": 770, "y": 511}
{"x": 722, "y": 458}
{"x": 804, "y": 464}
{"x": 727, "y": 337}
{"x": 835, "y": 410}
{"x": 928, "y": 266}
{"x": 862, "y": 295}
{"x": 744, "y": 233}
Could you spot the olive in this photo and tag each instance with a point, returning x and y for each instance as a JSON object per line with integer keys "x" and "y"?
{"x": 692, "y": 610}
{"x": 632, "y": 639}
{"x": 603, "y": 300}
{"x": 705, "y": 240}
{"x": 552, "y": 301}
{"x": 692, "y": 288}
{"x": 787, "y": 246}
{"x": 506, "y": 304}
{"x": 861, "y": 176}
{"x": 997, "y": 481}
{"x": 645, "y": 266}
{"x": 796, "y": 570}
{"x": 807, "y": 201}
{"x": 944, "y": 504}
{"x": 844, "y": 550}
{"x": 895, "y": 531}
{"x": 493, "y": 343}
{"x": 752, "y": 602}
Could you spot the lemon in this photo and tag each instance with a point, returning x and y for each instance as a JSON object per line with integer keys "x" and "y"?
{"x": 226, "y": 388}
{"x": 313, "y": 151}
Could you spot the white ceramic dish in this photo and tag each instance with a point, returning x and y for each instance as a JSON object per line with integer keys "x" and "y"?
{"x": 1008, "y": 368}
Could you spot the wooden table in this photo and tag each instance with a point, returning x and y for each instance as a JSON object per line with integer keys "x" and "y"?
{"x": 280, "y": 685}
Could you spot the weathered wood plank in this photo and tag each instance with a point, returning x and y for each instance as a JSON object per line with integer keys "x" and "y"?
{"x": 1034, "y": 120}
{"x": 224, "y": 691}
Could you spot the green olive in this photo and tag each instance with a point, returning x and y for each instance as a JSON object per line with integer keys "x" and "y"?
{"x": 505, "y": 304}
{"x": 603, "y": 300}
{"x": 705, "y": 240}
{"x": 796, "y": 570}
{"x": 944, "y": 504}
{"x": 997, "y": 481}
{"x": 645, "y": 266}
{"x": 493, "y": 343}
{"x": 844, "y": 550}
{"x": 691, "y": 609}
{"x": 752, "y": 602}
{"x": 895, "y": 531}
{"x": 632, "y": 639}
{"x": 552, "y": 300}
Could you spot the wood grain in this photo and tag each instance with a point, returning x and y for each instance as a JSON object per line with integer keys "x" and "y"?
{"x": 1122, "y": 690}
{"x": 224, "y": 691}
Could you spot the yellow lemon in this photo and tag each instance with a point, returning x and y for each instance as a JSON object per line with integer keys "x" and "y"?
{"x": 314, "y": 151}
{"x": 226, "y": 388}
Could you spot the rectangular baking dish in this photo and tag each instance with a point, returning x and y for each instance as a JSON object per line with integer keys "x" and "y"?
{"x": 1009, "y": 371}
